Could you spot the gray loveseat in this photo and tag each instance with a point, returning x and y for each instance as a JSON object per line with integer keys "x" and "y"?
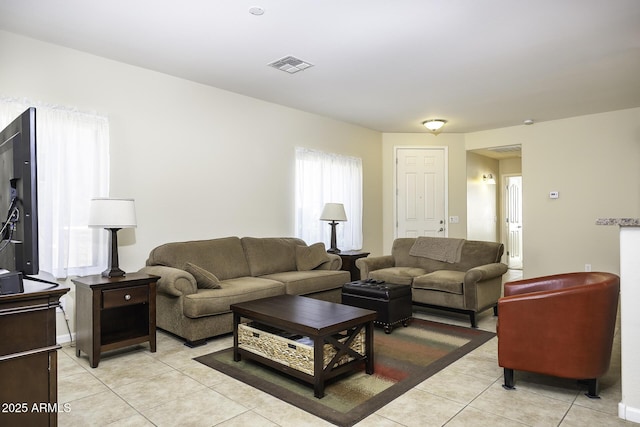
{"x": 465, "y": 276}
{"x": 199, "y": 280}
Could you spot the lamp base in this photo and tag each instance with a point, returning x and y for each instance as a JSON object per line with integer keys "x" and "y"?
{"x": 113, "y": 272}
{"x": 333, "y": 249}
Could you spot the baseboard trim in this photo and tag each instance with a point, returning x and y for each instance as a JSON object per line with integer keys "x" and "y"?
{"x": 628, "y": 413}
{"x": 65, "y": 338}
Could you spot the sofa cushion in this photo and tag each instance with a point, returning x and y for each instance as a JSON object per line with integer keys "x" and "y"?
{"x": 310, "y": 257}
{"x": 223, "y": 257}
{"x": 441, "y": 280}
{"x": 208, "y": 302}
{"x": 268, "y": 255}
{"x": 474, "y": 253}
{"x": 310, "y": 281}
{"x": 204, "y": 279}
{"x": 397, "y": 275}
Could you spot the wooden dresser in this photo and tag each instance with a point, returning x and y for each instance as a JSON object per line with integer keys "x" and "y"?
{"x": 28, "y": 356}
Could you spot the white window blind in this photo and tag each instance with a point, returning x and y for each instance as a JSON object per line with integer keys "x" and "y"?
{"x": 73, "y": 167}
{"x": 328, "y": 178}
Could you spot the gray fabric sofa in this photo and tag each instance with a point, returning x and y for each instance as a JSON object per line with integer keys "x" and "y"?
{"x": 194, "y": 304}
{"x": 470, "y": 284}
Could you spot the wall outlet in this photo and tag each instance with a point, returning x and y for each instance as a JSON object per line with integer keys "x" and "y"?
{"x": 587, "y": 267}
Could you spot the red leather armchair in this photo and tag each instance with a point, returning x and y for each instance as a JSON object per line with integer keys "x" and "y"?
{"x": 560, "y": 325}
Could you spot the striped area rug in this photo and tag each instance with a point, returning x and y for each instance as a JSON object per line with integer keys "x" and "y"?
{"x": 403, "y": 359}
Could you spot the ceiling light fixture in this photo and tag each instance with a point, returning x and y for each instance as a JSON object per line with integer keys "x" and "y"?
{"x": 256, "y": 10}
{"x": 434, "y": 125}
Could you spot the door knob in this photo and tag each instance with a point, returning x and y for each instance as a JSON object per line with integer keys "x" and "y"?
{"x": 441, "y": 230}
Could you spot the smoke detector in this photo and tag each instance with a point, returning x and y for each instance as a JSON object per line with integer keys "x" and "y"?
{"x": 290, "y": 64}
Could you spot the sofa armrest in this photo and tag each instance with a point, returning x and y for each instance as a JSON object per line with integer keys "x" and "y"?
{"x": 367, "y": 265}
{"x": 173, "y": 281}
{"x": 484, "y": 272}
{"x": 482, "y": 285}
{"x": 334, "y": 263}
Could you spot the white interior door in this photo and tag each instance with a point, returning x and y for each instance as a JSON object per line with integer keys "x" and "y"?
{"x": 421, "y": 192}
{"x": 513, "y": 221}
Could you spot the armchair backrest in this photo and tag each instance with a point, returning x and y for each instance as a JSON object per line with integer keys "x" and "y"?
{"x": 557, "y": 282}
{"x": 474, "y": 253}
{"x": 561, "y": 325}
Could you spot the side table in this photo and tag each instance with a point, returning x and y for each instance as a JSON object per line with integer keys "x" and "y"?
{"x": 349, "y": 262}
{"x": 114, "y": 312}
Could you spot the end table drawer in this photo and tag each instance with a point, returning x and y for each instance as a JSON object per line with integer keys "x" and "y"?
{"x": 129, "y": 296}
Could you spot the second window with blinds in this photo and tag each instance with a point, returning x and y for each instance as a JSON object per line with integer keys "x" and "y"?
{"x": 328, "y": 178}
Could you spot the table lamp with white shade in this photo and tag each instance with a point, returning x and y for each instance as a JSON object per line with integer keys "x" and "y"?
{"x": 333, "y": 212}
{"x": 112, "y": 214}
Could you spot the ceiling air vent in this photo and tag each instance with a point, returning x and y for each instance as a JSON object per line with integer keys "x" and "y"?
{"x": 505, "y": 149}
{"x": 290, "y": 64}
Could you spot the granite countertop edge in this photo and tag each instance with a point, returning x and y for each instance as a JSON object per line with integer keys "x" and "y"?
{"x": 622, "y": 222}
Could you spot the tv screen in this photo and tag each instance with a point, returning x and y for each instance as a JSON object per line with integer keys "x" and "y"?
{"x": 19, "y": 195}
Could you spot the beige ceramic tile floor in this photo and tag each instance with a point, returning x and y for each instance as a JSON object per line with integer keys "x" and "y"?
{"x": 134, "y": 387}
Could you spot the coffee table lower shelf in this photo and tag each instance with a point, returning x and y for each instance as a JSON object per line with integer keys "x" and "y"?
{"x": 328, "y": 367}
{"x": 318, "y": 382}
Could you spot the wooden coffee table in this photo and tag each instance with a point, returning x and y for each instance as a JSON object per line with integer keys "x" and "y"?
{"x": 316, "y": 319}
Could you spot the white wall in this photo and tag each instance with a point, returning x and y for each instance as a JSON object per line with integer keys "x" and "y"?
{"x": 457, "y": 178}
{"x": 592, "y": 161}
{"x": 629, "y": 407}
{"x": 482, "y": 198}
{"x": 199, "y": 161}
{"x": 202, "y": 162}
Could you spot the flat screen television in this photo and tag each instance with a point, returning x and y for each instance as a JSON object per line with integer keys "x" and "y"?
{"x": 19, "y": 195}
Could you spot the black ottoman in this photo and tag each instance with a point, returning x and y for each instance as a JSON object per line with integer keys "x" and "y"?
{"x": 391, "y": 301}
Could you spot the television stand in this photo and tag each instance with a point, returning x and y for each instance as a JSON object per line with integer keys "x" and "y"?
{"x": 28, "y": 356}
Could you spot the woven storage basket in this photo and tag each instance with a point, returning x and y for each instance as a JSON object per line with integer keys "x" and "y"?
{"x": 290, "y": 352}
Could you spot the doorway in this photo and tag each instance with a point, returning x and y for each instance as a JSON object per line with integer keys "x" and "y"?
{"x": 513, "y": 231}
{"x": 509, "y": 194}
{"x": 421, "y": 189}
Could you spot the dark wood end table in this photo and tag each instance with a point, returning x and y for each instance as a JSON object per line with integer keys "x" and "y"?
{"x": 114, "y": 312}
{"x": 349, "y": 262}
{"x": 316, "y": 319}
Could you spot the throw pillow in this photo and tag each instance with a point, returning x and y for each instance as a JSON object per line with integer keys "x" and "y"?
{"x": 205, "y": 279}
{"x": 309, "y": 257}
